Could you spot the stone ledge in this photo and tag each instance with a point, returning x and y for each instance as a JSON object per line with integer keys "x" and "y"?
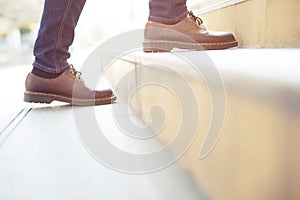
{"x": 256, "y": 155}
{"x": 259, "y": 23}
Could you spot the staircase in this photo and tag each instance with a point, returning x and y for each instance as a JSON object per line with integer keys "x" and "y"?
{"x": 254, "y": 153}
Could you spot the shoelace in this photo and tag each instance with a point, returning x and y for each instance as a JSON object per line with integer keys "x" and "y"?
{"x": 196, "y": 19}
{"x": 75, "y": 72}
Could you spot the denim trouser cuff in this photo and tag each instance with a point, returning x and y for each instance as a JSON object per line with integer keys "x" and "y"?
{"x": 51, "y": 70}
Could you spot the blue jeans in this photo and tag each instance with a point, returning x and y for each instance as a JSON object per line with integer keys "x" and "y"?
{"x": 60, "y": 17}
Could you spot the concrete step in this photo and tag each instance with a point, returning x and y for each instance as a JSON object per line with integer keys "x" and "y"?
{"x": 248, "y": 107}
{"x": 43, "y": 154}
{"x": 256, "y": 23}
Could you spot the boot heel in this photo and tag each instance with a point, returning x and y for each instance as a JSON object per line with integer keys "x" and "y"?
{"x": 37, "y": 98}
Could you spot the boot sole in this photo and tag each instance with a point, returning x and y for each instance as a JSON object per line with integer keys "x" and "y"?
{"x": 38, "y": 97}
{"x": 167, "y": 46}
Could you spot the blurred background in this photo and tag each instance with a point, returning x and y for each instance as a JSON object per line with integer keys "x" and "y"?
{"x": 19, "y": 23}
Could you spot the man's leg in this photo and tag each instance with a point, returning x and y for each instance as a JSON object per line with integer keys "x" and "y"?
{"x": 52, "y": 77}
{"x": 56, "y": 34}
{"x": 167, "y": 11}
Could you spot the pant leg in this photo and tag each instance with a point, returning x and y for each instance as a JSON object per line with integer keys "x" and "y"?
{"x": 56, "y": 34}
{"x": 167, "y": 11}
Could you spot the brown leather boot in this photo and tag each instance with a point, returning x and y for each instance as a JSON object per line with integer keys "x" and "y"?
{"x": 67, "y": 87}
{"x": 189, "y": 33}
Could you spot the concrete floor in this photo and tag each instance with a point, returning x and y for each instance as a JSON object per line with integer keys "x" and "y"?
{"x": 42, "y": 157}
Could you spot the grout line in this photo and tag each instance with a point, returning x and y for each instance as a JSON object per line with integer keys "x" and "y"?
{"x": 13, "y": 124}
{"x": 11, "y": 121}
